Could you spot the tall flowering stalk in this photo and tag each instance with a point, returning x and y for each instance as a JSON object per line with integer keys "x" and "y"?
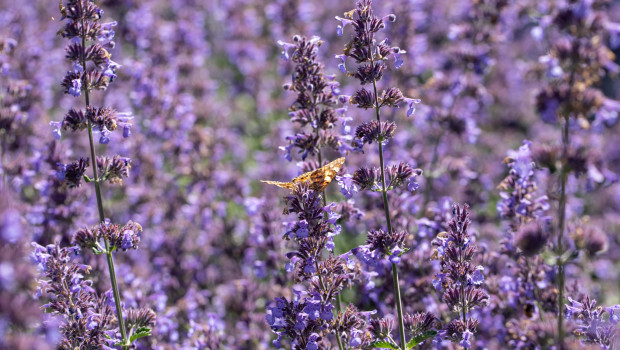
{"x": 459, "y": 279}
{"x": 13, "y": 94}
{"x": 311, "y": 311}
{"x": 92, "y": 69}
{"x": 308, "y": 318}
{"x": 576, "y": 61}
{"x": 314, "y": 106}
{"x": 524, "y": 211}
{"x": 317, "y": 94}
{"x": 370, "y": 56}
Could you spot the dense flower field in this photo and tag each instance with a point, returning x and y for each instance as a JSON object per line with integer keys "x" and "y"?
{"x": 255, "y": 174}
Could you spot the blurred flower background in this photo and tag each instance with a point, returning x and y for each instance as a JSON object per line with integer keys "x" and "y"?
{"x": 517, "y": 117}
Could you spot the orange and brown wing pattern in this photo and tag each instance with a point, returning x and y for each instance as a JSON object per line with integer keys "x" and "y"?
{"x": 317, "y": 179}
{"x": 288, "y": 185}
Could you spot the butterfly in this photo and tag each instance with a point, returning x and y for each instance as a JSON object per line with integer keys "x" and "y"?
{"x": 317, "y": 179}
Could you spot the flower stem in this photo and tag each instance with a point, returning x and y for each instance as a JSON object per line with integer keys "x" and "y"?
{"x": 561, "y": 227}
{"x": 109, "y": 258}
{"x": 399, "y": 303}
{"x": 463, "y": 281}
{"x": 2, "y": 153}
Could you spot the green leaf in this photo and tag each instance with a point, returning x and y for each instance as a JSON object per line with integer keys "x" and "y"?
{"x": 418, "y": 339}
{"x": 140, "y": 332}
{"x": 569, "y": 256}
{"x": 404, "y": 251}
{"x": 382, "y": 344}
{"x": 550, "y": 258}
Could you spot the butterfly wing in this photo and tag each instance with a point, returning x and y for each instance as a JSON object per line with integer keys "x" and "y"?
{"x": 319, "y": 178}
{"x": 288, "y": 185}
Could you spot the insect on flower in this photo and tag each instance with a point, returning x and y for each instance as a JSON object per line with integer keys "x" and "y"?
{"x": 317, "y": 179}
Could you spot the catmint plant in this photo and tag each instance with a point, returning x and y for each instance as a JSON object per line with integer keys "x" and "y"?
{"x": 595, "y": 324}
{"x": 88, "y": 316}
{"x": 524, "y": 275}
{"x": 576, "y": 61}
{"x": 312, "y": 311}
{"x": 459, "y": 280}
{"x": 314, "y": 106}
{"x": 370, "y": 57}
{"x": 309, "y": 317}
{"x": 13, "y": 96}
{"x": 456, "y": 98}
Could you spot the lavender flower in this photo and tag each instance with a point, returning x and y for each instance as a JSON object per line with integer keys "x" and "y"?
{"x": 92, "y": 70}
{"x": 459, "y": 279}
{"x": 592, "y": 325}
{"x": 316, "y": 97}
{"x": 87, "y": 317}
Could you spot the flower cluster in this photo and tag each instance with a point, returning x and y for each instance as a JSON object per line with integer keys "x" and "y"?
{"x": 317, "y": 94}
{"x": 380, "y": 244}
{"x": 396, "y": 176}
{"x": 88, "y": 318}
{"x": 370, "y": 57}
{"x": 459, "y": 279}
{"x": 92, "y": 69}
{"x": 593, "y": 327}
{"x": 308, "y": 318}
{"x": 519, "y": 203}
{"x": 574, "y": 65}
{"x": 118, "y": 237}
{"x": 109, "y": 169}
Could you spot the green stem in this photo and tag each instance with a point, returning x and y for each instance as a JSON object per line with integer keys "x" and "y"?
{"x": 2, "y": 163}
{"x": 561, "y": 227}
{"x": 399, "y": 303}
{"x": 320, "y": 165}
{"x": 109, "y": 258}
{"x": 399, "y": 306}
{"x": 463, "y": 299}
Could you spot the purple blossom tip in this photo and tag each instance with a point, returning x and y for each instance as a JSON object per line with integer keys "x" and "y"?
{"x": 412, "y": 102}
